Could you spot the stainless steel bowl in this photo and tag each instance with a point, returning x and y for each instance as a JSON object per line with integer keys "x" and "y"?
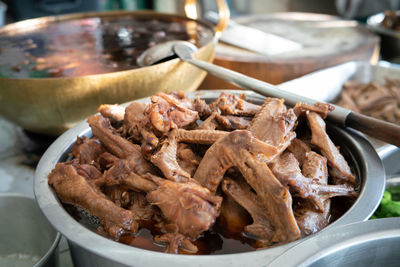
{"x": 91, "y": 249}
{"x": 390, "y": 39}
{"x": 27, "y": 238}
{"x": 370, "y": 243}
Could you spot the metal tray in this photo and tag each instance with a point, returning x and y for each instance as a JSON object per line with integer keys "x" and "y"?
{"x": 326, "y": 85}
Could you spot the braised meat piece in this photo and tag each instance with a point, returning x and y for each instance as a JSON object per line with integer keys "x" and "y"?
{"x": 188, "y": 205}
{"x": 187, "y": 158}
{"x": 225, "y": 153}
{"x": 137, "y": 125}
{"x": 74, "y": 189}
{"x": 165, "y": 159}
{"x": 87, "y": 150}
{"x": 203, "y": 109}
{"x": 230, "y": 123}
{"x": 115, "y": 113}
{"x": 308, "y": 219}
{"x": 273, "y": 122}
{"x": 274, "y": 196}
{"x": 210, "y": 123}
{"x": 299, "y": 149}
{"x": 286, "y": 169}
{"x": 242, "y": 194}
{"x": 118, "y": 145}
{"x": 231, "y": 104}
{"x": 321, "y": 108}
{"x": 168, "y": 112}
{"x": 335, "y": 159}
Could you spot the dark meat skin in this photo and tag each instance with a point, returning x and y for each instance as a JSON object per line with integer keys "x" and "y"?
{"x": 74, "y": 189}
{"x": 321, "y": 139}
{"x": 188, "y": 205}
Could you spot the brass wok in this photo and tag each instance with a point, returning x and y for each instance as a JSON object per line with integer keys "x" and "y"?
{"x": 53, "y": 105}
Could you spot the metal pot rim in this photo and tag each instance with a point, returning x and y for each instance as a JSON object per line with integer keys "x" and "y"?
{"x": 370, "y": 166}
{"x": 312, "y": 250}
{"x": 57, "y": 239}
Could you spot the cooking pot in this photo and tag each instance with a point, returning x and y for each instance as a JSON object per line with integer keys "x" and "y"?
{"x": 91, "y": 249}
{"x": 53, "y": 105}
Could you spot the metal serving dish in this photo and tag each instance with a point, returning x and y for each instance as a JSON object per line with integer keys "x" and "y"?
{"x": 326, "y": 85}
{"x": 390, "y": 39}
{"x": 27, "y": 238}
{"x": 370, "y": 243}
{"x": 53, "y": 105}
{"x": 91, "y": 249}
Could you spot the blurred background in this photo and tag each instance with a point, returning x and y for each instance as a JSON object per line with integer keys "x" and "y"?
{"x": 360, "y": 9}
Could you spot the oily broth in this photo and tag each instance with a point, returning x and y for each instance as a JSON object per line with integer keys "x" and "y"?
{"x": 90, "y": 46}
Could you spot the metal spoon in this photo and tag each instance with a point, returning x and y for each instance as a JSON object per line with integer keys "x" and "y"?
{"x": 385, "y": 131}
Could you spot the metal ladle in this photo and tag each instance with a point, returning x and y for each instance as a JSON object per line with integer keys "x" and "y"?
{"x": 382, "y": 130}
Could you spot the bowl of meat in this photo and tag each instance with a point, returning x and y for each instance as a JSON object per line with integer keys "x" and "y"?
{"x": 228, "y": 175}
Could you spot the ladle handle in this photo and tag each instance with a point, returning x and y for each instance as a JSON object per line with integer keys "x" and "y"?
{"x": 381, "y": 130}
{"x": 223, "y": 14}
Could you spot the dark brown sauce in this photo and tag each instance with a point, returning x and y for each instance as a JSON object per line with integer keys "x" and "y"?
{"x": 90, "y": 46}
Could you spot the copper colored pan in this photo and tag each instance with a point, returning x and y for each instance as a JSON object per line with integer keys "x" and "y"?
{"x": 52, "y": 105}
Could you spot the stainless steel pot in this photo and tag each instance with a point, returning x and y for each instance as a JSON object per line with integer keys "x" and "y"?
{"x": 27, "y": 238}
{"x": 390, "y": 39}
{"x": 370, "y": 243}
{"x": 91, "y": 249}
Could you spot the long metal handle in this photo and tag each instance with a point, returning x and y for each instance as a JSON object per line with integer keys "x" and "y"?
{"x": 382, "y": 130}
{"x": 338, "y": 115}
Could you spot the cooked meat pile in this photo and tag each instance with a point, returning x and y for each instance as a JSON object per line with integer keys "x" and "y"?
{"x": 181, "y": 165}
{"x": 378, "y": 101}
